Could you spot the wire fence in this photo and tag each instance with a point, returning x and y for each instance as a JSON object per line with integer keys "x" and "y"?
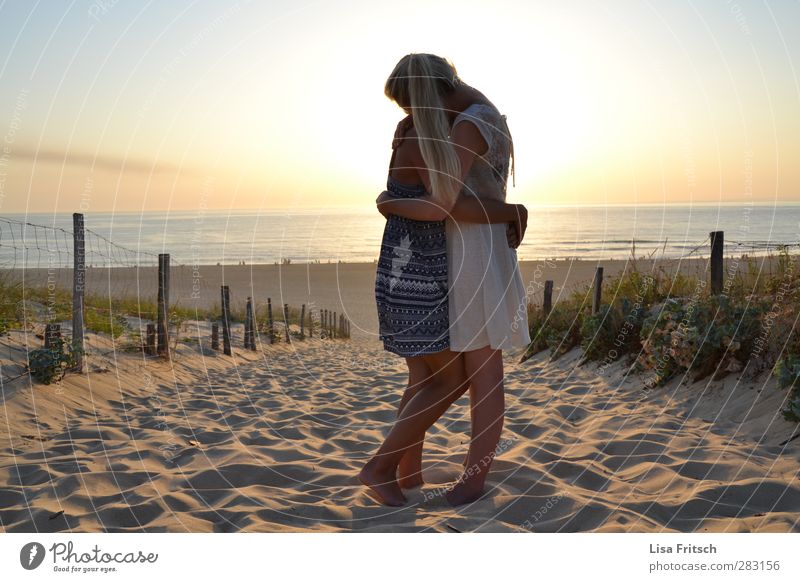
{"x": 694, "y": 261}
{"x": 24, "y": 245}
{"x": 69, "y": 281}
{"x": 37, "y": 257}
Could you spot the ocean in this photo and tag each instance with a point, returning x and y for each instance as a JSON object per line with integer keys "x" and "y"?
{"x": 334, "y": 235}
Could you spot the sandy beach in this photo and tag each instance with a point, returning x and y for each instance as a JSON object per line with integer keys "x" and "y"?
{"x": 272, "y": 440}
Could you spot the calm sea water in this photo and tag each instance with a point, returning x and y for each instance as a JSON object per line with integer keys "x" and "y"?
{"x": 225, "y": 237}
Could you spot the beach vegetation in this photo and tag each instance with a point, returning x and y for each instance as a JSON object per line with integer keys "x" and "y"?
{"x": 47, "y": 365}
{"x": 787, "y": 372}
{"x": 671, "y": 324}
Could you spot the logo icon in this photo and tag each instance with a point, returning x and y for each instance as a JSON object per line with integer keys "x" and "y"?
{"x": 31, "y": 555}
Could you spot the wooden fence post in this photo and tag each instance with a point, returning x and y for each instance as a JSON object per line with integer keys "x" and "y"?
{"x": 598, "y": 290}
{"x": 78, "y": 287}
{"x": 226, "y": 320}
{"x": 163, "y": 305}
{"x": 270, "y": 322}
{"x": 324, "y": 324}
{"x": 249, "y": 326}
{"x": 286, "y": 321}
{"x": 150, "y": 344}
{"x": 717, "y": 245}
{"x": 253, "y": 326}
{"x": 246, "y": 334}
{"x": 333, "y": 326}
{"x": 302, "y": 321}
{"x": 310, "y": 323}
{"x": 547, "y": 305}
{"x": 214, "y": 336}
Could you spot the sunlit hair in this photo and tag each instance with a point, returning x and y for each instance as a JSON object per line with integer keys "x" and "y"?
{"x": 418, "y": 83}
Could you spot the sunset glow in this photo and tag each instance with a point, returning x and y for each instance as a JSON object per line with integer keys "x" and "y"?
{"x": 119, "y": 106}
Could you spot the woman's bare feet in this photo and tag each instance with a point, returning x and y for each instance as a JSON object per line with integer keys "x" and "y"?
{"x": 383, "y": 484}
{"x": 463, "y": 492}
{"x": 409, "y": 471}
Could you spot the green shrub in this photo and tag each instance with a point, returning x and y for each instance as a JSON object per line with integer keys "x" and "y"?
{"x": 10, "y": 297}
{"x": 536, "y": 321}
{"x": 613, "y": 331}
{"x": 558, "y": 331}
{"x": 563, "y": 329}
{"x": 703, "y": 334}
{"x": 598, "y": 332}
{"x": 787, "y": 372}
{"x": 49, "y": 364}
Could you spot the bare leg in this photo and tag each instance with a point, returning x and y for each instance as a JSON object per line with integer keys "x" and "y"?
{"x": 484, "y": 368}
{"x": 424, "y": 408}
{"x": 473, "y": 398}
{"x": 409, "y": 471}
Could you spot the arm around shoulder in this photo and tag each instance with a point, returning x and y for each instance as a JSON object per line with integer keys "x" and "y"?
{"x": 470, "y": 208}
{"x": 423, "y": 208}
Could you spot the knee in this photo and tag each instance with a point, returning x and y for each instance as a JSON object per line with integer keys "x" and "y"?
{"x": 455, "y": 381}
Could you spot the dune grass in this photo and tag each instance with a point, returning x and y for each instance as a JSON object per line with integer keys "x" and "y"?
{"x": 672, "y": 324}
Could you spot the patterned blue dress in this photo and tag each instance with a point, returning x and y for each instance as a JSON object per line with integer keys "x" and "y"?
{"x": 411, "y": 285}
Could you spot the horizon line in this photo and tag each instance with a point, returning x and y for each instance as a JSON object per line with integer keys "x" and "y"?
{"x": 359, "y": 208}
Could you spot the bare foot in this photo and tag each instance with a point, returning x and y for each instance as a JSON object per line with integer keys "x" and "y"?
{"x": 464, "y": 492}
{"x": 409, "y": 471}
{"x": 384, "y": 486}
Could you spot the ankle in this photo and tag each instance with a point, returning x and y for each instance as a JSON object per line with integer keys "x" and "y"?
{"x": 380, "y": 466}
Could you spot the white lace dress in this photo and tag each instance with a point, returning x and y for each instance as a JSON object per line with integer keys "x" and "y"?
{"x": 487, "y": 301}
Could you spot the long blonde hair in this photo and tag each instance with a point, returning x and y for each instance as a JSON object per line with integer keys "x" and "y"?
{"x": 418, "y": 82}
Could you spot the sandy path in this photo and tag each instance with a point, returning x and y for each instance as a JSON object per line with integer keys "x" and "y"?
{"x": 279, "y": 437}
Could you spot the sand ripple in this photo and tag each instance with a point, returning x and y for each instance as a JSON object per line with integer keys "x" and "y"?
{"x": 272, "y": 442}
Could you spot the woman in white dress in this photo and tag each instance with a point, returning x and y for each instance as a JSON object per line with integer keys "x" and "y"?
{"x": 487, "y": 302}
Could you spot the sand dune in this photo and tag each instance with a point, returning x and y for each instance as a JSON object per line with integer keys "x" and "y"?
{"x": 271, "y": 441}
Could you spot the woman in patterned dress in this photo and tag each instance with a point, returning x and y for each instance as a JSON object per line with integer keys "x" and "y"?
{"x": 412, "y": 279}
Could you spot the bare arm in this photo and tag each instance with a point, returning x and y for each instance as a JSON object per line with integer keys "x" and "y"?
{"x": 484, "y": 210}
{"x": 467, "y": 208}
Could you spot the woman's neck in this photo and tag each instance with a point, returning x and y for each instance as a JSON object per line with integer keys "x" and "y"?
{"x": 461, "y": 98}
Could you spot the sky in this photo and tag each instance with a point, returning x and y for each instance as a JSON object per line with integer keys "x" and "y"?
{"x": 130, "y": 106}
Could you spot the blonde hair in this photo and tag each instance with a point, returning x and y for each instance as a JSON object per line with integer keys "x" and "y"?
{"x": 418, "y": 82}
